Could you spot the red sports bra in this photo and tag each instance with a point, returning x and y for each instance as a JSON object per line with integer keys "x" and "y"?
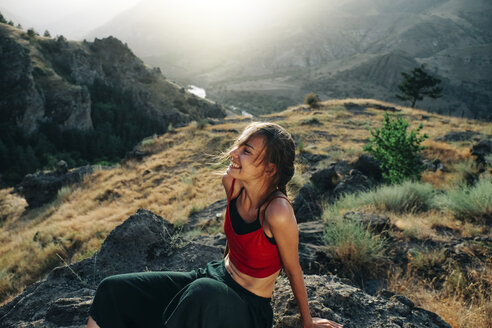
{"x": 252, "y": 253}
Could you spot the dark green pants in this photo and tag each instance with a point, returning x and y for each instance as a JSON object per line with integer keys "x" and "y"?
{"x": 204, "y": 298}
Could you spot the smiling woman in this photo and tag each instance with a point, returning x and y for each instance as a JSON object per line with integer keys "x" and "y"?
{"x": 262, "y": 238}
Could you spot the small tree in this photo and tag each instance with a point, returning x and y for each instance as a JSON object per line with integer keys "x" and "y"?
{"x": 312, "y": 100}
{"x": 397, "y": 152}
{"x": 418, "y": 84}
{"x": 2, "y": 19}
{"x": 47, "y": 34}
{"x": 32, "y": 32}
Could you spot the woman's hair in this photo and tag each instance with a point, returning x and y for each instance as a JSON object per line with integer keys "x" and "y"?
{"x": 279, "y": 150}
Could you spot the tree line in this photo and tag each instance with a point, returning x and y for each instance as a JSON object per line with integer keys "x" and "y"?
{"x": 118, "y": 127}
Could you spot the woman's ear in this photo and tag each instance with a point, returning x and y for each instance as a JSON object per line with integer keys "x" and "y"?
{"x": 271, "y": 169}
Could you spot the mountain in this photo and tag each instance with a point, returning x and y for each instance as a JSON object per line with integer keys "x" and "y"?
{"x": 303, "y": 46}
{"x": 81, "y": 101}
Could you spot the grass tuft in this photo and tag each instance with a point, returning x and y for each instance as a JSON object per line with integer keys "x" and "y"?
{"x": 358, "y": 249}
{"x": 469, "y": 203}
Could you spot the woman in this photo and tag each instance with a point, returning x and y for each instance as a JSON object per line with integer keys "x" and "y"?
{"x": 262, "y": 237}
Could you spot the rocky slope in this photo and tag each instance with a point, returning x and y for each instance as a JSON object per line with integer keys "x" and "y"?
{"x": 147, "y": 242}
{"x": 53, "y": 80}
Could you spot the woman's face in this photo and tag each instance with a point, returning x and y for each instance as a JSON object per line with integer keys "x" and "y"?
{"x": 247, "y": 160}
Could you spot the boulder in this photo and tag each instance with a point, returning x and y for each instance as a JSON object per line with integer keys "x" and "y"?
{"x": 41, "y": 188}
{"x": 305, "y": 204}
{"x": 352, "y": 183}
{"x": 369, "y": 166}
{"x": 331, "y": 298}
{"x": 454, "y": 136}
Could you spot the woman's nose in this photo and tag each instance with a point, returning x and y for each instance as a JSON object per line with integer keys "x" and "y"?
{"x": 233, "y": 152}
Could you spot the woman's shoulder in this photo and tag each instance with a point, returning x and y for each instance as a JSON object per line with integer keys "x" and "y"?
{"x": 279, "y": 209}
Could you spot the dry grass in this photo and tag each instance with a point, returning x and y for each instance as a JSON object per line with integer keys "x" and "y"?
{"x": 453, "y": 309}
{"x": 178, "y": 179}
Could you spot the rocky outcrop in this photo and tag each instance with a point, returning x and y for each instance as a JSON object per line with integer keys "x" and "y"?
{"x": 331, "y": 183}
{"x": 53, "y": 80}
{"x": 148, "y": 242}
{"x": 41, "y": 188}
{"x": 332, "y": 298}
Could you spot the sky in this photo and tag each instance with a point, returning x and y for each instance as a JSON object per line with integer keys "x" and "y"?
{"x": 72, "y": 18}
{"x": 76, "y": 19}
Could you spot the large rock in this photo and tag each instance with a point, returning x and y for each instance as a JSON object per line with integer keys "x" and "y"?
{"x": 147, "y": 242}
{"x": 331, "y": 298}
{"x": 329, "y": 184}
{"x": 41, "y": 188}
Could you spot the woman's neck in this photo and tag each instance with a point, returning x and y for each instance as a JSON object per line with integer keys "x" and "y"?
{"x": 254, "y": 195}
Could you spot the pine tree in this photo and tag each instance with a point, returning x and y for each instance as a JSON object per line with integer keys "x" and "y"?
{"x": 417, "y": 84}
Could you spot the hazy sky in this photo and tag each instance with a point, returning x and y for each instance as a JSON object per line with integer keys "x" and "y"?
{"x": 72, "y": 18}
{"x": 75, "y": 19}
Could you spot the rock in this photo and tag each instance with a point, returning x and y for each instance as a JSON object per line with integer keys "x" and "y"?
{"x": 69, "y": 311}
{"x": 310, "y": 159}
{"x": 148, "y": 242}
{"x": 433, "y": 165}
{"x": 331, "y": 298}
{"x": 325, "y": 180}
{"x": 41, "y": 188}
{"x": 353, "y": 183}
{"x": 369, "y": 166}
{"x": 61, "y": 167}
{"x": 136, "y": 154}
{"x": 305, "y": 204}
{"x": 483, "y": 148}
{"x": 454, "y": 136}
{"x": 144, "y": 241}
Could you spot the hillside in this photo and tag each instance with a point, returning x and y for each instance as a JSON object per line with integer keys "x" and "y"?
{"x": 284, "y": 56}
{"x": 177, "y": 179}
{"x": 98, "y": 93}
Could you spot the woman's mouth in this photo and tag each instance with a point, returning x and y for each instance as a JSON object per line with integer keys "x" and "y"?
{"x": 235, "y": 165}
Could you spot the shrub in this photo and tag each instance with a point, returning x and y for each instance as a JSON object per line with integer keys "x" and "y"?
{"x": 397, "y": 151}
{"x": 407, "y": 197}
{"x": 31, "y": 32}
{"x": 424, "y": 259}
{"x": 200, "y": 125}
{"x": 473, "y": 203}
{"x": 358, "y": 249}
{"x": 312, "y": 100}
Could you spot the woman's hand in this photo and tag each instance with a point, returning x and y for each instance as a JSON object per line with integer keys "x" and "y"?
{"x": 322, "y": 323}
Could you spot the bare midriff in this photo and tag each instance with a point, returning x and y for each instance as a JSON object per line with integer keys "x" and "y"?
{"x": 259, "y": 286}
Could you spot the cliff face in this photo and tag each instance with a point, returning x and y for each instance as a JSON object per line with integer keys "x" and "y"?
{"x": 47, "y": 80}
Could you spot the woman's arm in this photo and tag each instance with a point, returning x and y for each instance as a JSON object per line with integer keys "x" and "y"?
{"x": 283, "y": 225}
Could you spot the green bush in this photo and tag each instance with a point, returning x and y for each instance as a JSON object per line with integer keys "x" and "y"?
{"x": 31, "y": 32}
{"x": 312, "y": 100}
{"x": 406, "y": 197}
{"x": 359, "y": 250}
{"x": 397, "y": 151}
{"x": 472, "y": 203}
